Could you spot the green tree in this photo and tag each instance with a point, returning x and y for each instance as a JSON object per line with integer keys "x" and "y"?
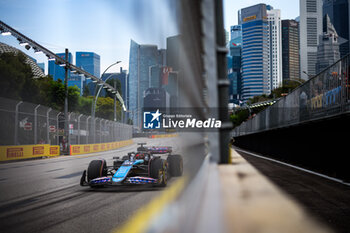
{"x": 85, "y": 105}
{"x": 86, "y": 90}
{"x": 239, "y": 116}
{"x": 73, "y": 98}
{"x": 14, "y": 75}
{"x": 105, "y": 108}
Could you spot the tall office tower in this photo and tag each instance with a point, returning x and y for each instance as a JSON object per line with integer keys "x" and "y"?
{"x": 142, "y": 58}
{"x": 338, "y": 12}
{"x": 171, "y": 80}
{"x": 78, "y": 81}
{"x": 310, "y": 28}
{"x": 236, "y": 33}
{"x": 122, "y": 77}
{"x": 255, "y": 52}
{"x": 90, "y": 62}
{"x": 239, "y": 14}
{"x": 173, "y": 52}
{"x": 290, "y": 50}
{"x": 56, "y": 71}
{"x": 234, "y": 62}
{"x": 275, "y": 45}
{"x": 328, "y": 48}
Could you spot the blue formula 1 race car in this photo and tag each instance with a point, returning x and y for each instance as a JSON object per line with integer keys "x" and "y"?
{"x": 146, "y": 166}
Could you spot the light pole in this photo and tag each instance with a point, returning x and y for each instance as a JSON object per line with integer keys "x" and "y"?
{"x": 66, "y": 130}
{"x": 308, "y": 75}
{"x": 98, "y": 94}
{"x": 93, "y": 108}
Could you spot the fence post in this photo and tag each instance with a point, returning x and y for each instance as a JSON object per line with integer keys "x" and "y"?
{"x": 79, "y": 127}
{"x": 101, "y": 130}
{"x": 48, "y": 126}
{"x": 16, "y": 122}
{"x": 36, "y": 124}
{"x": 68, "y": 139}
{"x": 87, "y": 130}
{"x": 57, "y": 128}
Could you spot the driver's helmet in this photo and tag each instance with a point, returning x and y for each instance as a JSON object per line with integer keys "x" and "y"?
{"x": 140, "y": 156}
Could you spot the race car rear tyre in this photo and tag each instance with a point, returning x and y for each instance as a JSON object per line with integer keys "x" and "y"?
{"x": 158, "y": 169}
{"x": 97, "y": 168}
{"x": 175, "y": 165}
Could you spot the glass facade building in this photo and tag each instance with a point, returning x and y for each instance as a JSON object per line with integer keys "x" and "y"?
{"x": 338, "y": 12}
{"x": 90, "y": 62}
{"x": 234, "y": 62}
{"x": 142, "y": 57}
{"x": 255, "y": 51}
{"x": 56, "y": 71}
{"x": 122, "y": 77}
{"x": 77, "y": 80}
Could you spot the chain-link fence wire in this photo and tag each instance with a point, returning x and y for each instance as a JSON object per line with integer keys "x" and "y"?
{"x": 23, "y": 123}
{"x": 7, "y": 121}
{"x": 325, "y": 95}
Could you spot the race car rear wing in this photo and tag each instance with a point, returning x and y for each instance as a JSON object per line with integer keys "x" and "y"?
{"x": 160, "y": 150}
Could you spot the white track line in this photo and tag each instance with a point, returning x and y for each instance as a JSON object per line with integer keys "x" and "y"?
{"x": 295, "y": 167}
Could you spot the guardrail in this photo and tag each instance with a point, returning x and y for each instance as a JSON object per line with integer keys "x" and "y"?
{"x": 327, "y": 94}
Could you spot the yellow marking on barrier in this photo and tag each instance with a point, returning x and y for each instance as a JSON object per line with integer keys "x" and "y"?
{"x": 142, "y": 218}
{"x": 163, "y": 135}
{"x": 27, "y": 151}
{"x": 98, "y": 147}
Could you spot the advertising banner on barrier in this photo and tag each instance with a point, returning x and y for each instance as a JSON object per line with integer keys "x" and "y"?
{"x": 28, "y": 151}
{"x": 91, "y": 148}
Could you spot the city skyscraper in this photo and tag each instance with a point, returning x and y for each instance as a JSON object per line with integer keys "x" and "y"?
{"x": 236, "y": 34}
{"x": 255, "y": 51}
{"x": 234, "y": 62}
{"x": 56, "y": 71}
{"x": 290, "y": 49}
{"x": 275, "y": 47}
{"x": 338, "y": 12}
{"x": 142, "y": 57}
{"x": 122, "y": 77}
{"x": 90, "y": 62}
{"x": 171, "y": 80}
{"x": 77, "y": 80}
{"x": 328, "y": 48}
{"x": 310, "y": 28}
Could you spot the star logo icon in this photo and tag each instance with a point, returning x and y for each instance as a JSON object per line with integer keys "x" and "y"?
{"x": 152, "y": 120}
{"x": 156, "y": 115}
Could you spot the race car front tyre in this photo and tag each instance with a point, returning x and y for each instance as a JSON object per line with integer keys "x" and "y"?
{"x": 97, "y": 168}
{"x": 158, "y": 170}
{"x": 175, "y": 165}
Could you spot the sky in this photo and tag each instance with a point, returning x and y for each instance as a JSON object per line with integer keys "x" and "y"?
{"x": 106, "y": 26}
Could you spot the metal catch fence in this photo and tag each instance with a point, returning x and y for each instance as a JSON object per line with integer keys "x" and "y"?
{"x": 25, "y": 123}
{"x": 325, "y": 95}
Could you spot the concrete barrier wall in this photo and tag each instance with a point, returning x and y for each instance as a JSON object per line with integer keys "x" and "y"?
{"x": 28, "y": 151}
{"x": 98, "y": 147}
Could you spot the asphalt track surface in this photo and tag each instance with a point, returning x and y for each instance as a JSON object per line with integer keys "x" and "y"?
{"x": 44, "y": 195}
{"x": 326, "y": 200}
